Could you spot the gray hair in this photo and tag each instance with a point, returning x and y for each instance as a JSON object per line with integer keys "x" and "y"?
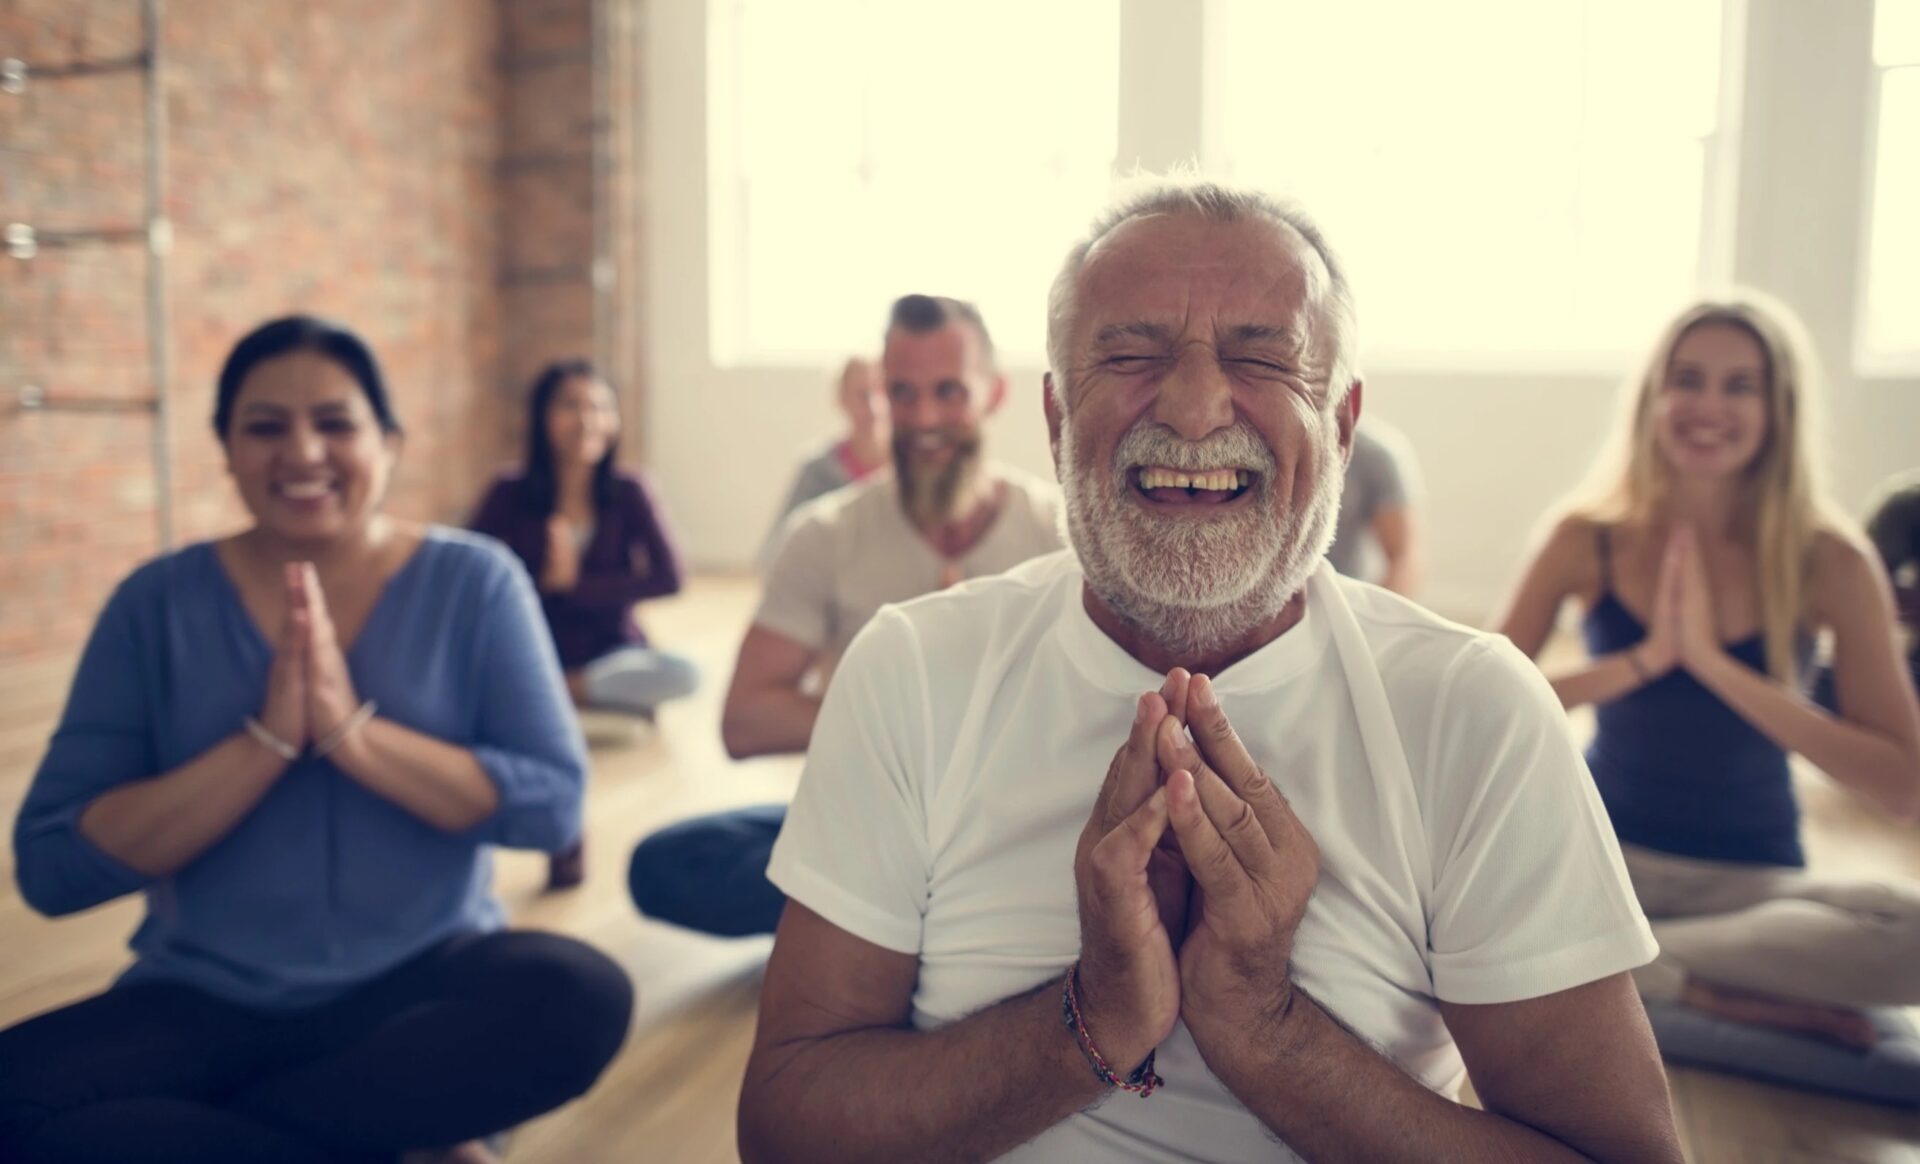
{"x": 1211, "y": 201}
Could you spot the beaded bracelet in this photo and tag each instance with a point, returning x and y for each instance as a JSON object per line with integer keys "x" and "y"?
{"x": 1142, "y": 1081}
{"x": 334, "y": 738}
{"x": 264, "y": 736}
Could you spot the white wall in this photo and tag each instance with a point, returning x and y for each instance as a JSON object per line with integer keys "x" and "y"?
{"x": 1497, "y": 449}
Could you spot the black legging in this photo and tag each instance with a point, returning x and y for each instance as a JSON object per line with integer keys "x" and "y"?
{"x": 476, "y": 1035}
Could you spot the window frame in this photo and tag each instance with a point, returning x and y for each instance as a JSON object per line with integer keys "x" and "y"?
{"x": 1868, "y": 363}
{"x": 1168, "y": 101}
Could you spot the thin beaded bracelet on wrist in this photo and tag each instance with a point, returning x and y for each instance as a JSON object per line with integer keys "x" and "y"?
{"x": 1141, "y": 1081}
{"x": 333, "y": 739}
{"x": 263, "y": 735}
{"x": 348, "y": 726}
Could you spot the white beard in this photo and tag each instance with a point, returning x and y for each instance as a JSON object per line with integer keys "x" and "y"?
{"x": 1196, "y": 586}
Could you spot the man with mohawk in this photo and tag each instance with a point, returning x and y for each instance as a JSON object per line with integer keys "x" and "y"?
{"x": 943, "y": 515}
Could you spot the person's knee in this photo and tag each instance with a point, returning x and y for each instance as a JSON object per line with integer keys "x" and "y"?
{"x": 678, "y": 677}
{"x": 640, "y": 681}
{"x": 709, "y": 874}
{"x": 578, "y": 1003}
{"x": 653, "y": 875}
{"x": 601, "y": 1000}
{"x": 1890, "y": 906}
{"x": 56, "y": 1062}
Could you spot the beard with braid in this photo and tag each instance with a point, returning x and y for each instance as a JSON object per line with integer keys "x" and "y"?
{"x": 930, "y": 496}
{"x": 1194, "y": 585}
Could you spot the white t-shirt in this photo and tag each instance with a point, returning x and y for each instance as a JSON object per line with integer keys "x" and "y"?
{"x": 1465, "y": 854}
{"x": 845, "y": 555}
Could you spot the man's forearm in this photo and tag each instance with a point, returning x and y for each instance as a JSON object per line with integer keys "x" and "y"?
{"x": 1330, "y": 1096}
{"x": 769, "y": 722}
{"x": 970, "y": 1091}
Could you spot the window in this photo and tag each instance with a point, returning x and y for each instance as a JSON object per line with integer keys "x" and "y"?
{"x": 1890, "y": 313}
{"x": 859, "y": 150}
{"x": 1509, "y": 181}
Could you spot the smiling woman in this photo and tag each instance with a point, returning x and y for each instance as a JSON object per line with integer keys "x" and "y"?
{"x": 594, "y": 538}
{"x": 1706, "y": 563}
{"x": 300, "y": 742}
{"x": 312, "y": 441}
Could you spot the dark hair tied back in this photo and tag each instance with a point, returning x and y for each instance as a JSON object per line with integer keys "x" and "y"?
{"x": 301, "y": 333}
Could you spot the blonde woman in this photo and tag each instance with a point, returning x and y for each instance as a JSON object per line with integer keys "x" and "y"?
{"x": 1705, "y": 561}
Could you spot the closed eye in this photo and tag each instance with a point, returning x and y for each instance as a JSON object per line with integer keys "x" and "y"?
{"x": 1267, "y": 366}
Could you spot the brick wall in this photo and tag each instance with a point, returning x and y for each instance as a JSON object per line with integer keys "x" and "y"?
{"x": 424, "y": 170}
{"x": 435, "y": 173}
{"x": 563, "y": 246}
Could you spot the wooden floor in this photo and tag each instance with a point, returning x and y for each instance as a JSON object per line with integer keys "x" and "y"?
{"x": 671, "y": 1094}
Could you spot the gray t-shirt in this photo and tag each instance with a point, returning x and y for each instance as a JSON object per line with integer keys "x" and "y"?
{"x": 818, "y": 476}
{"x": 1381, "y": 474}
{"x": 844, "y": 556}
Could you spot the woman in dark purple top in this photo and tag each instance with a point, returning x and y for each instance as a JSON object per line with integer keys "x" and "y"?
{"x": 595, "y": 543}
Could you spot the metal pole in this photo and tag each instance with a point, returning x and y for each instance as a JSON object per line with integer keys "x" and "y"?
{"x": 600, "y": 271}
{"x": 159, "y": 243}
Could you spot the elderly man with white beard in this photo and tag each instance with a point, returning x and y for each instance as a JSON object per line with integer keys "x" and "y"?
{"x": 1344, "y": 857}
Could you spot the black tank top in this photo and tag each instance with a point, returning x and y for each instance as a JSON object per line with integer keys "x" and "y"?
{"x": 1679, "y": 770}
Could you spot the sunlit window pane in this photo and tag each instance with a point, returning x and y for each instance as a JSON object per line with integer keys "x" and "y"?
{"x": 1896, "y": 32}
{"x": 863, "y": 149}
{"x": 1505, "y": 178}
{"x": 1892, "y": 316}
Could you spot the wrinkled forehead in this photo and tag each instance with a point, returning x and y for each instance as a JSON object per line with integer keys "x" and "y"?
{"x": 1203, "y": 278}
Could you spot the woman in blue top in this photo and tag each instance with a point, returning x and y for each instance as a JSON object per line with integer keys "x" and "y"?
{"x": 1705, "y": 560}
{"x": 300, "y": 742}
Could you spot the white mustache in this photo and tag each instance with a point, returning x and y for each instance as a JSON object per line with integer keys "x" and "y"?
{"x": 1152, "y": 443}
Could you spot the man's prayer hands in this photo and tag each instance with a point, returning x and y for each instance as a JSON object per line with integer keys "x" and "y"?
{"x": 1193, "y": 874}
{"x": 1133, "y": 891}
{"x": 1254, "y": 865}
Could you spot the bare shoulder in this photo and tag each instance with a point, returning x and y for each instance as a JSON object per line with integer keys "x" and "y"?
{"x": 1569, "y": 552}
{"x": 1842, "y": 571}
{"x": 1573, "y": 535}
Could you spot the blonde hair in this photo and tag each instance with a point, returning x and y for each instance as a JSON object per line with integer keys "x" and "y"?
{"x": 1785, "y": 506}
